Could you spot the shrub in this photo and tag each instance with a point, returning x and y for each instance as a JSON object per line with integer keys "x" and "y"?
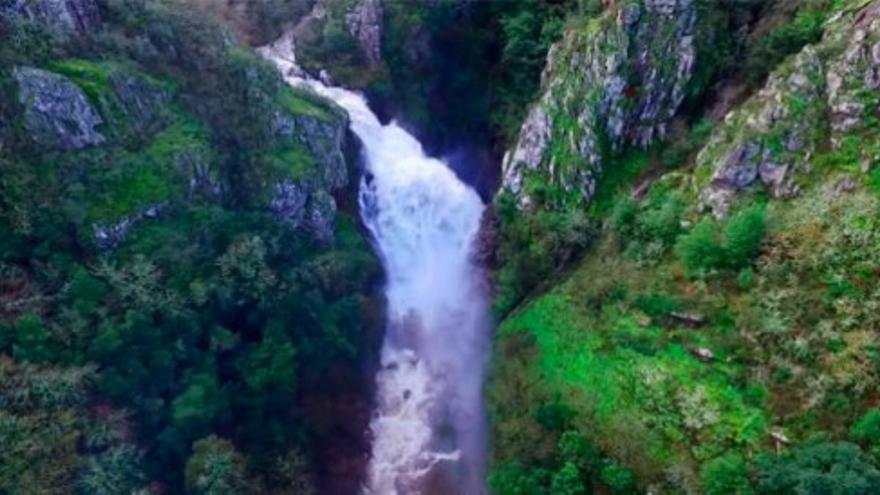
{"x": 726, "y": 475}
{"x": 700, "y": 249}
{"x": 618, "y": 478}
{"x": 568, "y": 481}
{"x": 514, "y": 479}
{"x": 743, "y": 235}
{"x": 623, "y": 217}
{"x": 663, "y": 223}
{"x": 866, "y": 431}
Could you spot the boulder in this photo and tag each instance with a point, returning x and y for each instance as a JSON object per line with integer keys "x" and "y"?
{"x": 57, "y": 113}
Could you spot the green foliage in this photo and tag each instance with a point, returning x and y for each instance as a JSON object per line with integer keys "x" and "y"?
{"x": 704, "y": 249}
{"x": 726, "y": 475}
{"x": 866, "y": 431}
{"x": 821, "y": 468}
{"x": 743, "y": 234}
{"x": 568, "y": 481}
{"x": 534, "y": 246}
{"x": 514, "y": 479}
{"x": 700, "y": 249}
{"x": 786, "y": 39}
{"x": 31, "y": 339}
{"x": 620, "y": 479}
{"x": 215, "y": 468}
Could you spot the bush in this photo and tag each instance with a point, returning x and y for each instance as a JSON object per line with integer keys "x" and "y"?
{"x": 866, "y": 431}
{"x": 700, "y": 249}
{"x": 568, "y": 481}
{"x": 743, "y": 235}
{"x": 620, "y": 479}
{"x": 514, "y": 479}
{"x": 726, "y": 475}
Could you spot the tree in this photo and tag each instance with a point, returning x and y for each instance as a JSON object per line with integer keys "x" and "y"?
{"x": 216, "y": 468}
{"x": 568, "y": 481}
{"x": 824, "y": 468}
{"x": 726, "y": 475}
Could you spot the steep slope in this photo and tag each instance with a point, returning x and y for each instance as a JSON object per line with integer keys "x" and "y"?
{"x": 718, "y": 334}
{"x": 184, "y": 283}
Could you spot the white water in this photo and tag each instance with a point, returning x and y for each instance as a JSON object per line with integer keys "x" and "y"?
{"x": 428, "y": 429}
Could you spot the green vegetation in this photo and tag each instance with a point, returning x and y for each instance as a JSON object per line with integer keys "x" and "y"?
{"x": 180, "y": 356}
{"x": 694, "y": 354}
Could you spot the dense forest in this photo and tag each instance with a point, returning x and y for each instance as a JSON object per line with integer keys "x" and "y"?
{"x": 682, "y": 237}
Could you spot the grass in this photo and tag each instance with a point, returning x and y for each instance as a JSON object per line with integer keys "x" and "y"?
{"x": 303, "y": 102}
{"x": 130, "y": 181}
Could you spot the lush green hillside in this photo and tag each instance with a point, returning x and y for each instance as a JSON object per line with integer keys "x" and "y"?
{"x": 182, "y": 307}
{"x": 718, "y": 334}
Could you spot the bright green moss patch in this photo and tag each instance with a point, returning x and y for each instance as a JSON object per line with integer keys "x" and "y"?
{"x": 302, "y": 102}
{"x": 126, "y": 182}
{"x": 293, "y": 162}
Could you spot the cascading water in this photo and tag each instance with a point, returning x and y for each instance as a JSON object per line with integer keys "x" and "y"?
{"x": 428, "y": 429}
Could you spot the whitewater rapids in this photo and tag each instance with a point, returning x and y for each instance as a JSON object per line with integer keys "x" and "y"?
{"x": 428, "y": 429}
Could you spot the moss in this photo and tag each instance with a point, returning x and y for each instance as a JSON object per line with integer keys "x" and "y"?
{"x": 303, "y": 102}
{"x": 126, "y": 182}
{"x": 293, "y": 162}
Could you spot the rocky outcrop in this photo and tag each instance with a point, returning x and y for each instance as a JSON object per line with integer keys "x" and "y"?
{"x": 138, "y": 102}
{"x": 364, "y": 22}
{"x": 68, "y": 16}
{"x": 57, "y": 113}
{"x": 109, "y": 236}
{"x": 771, "y": 141}
{"x": 617, "y": 82}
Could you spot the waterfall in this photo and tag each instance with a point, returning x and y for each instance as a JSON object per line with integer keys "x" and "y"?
{"x": 428, "y": 428}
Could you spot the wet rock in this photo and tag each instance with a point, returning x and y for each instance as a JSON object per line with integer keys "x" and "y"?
{"x": 67, "y": 16}
{"x": 364, "y": 22}
{"x": 57, "y": 113}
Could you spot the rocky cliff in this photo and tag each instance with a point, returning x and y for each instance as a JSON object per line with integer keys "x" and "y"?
{"x": 617, "y": 81}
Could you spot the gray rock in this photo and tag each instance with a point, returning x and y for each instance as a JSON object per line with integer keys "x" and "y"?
{"x": 109, "y": 236}
{"x": 288, "y": 203}
{"x": 57, "y": 113}
{"x": 634, "y": 67}
{"x": 321, "y": 217}
{"x": 68, "y": 16}
{"x": 364, "y": 22}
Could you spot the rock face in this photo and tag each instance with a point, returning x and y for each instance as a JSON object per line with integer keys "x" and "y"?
{"x": 364, "y": 22}
{"x": 57, "y": 113}
{"x": 141, "y": 103}
{"x": 307, "y": 202}
{"x": 770, "y": 141}
{"x": 618, "y": 81}
{"x": 79, "y": 16}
